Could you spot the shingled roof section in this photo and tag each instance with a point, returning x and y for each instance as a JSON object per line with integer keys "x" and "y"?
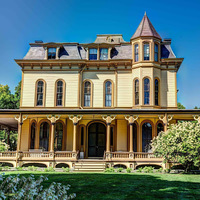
{"x": 145, "y": 29}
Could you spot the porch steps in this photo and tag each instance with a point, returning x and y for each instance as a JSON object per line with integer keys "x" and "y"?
{"x": 90, "y": 166}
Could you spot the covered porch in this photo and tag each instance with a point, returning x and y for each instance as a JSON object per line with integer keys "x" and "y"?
{"x": 116, "y": 136}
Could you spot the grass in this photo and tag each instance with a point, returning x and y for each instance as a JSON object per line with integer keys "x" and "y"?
{"x": 126, "y": 186}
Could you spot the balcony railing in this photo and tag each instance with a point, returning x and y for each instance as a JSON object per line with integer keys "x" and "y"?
{"x": 8, "y": 154}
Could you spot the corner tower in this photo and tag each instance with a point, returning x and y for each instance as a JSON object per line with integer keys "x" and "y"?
{"x": 151, "y": 77}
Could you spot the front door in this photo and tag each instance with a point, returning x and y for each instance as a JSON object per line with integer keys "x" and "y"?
{"x": 96, "y": 140}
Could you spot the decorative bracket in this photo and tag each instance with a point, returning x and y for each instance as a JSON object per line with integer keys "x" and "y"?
{"x": 131, "y": 118}
{"x": 53, "y": 118}
{"x": 75, "y": 118}
{"x": 18, "y": 118}
{"x": 197, "y": 118}
{"x": 165, "y": 118}
{"x": 108, "y": 118}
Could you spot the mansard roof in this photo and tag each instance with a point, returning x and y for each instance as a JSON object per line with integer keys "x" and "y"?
{"x": 145, "y": 29}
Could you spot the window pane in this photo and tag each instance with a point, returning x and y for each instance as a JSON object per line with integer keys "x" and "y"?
{"x": 103, "y": 54}
{"x": 87, "y": 93}
{"x": 136, "y": 92}
{"x": 136, "y": 53}
{"x": 146, "y": 91}
{"x": 156, "y": 92}
{"x": 108, "y": 94}
{"x": 51, "y": 53}
{"x": 40, "y": 89}
{"x": 156, "y": 53}
{"x": 92, "y": 54}
{"x": 59, "y": 94}
{"x": 146, "y": 51}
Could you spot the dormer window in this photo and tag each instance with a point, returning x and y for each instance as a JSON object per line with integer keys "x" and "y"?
{"x": 103, "y": 54}
{"x": 92, "y": 54}
{"x": 146, "y": 52}
{"x": 51, "y": 53}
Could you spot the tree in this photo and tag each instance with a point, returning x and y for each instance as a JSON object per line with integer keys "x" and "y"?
{"x": 180, "y": 106}
{"x": 196, "y": 107}
{"x": 179, "y": 144}
{"x": 9, "y": 100}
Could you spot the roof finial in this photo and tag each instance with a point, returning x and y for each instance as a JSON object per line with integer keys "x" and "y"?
{"x": 145, "y": 13}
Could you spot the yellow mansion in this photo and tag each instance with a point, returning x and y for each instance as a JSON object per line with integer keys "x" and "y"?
{"x": 88, "y": 106}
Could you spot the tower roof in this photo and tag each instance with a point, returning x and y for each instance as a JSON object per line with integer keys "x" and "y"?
{"x": 145, "y": 29}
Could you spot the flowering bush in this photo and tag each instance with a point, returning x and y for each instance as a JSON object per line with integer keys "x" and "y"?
{"x": 3, "y": 146}
{"x": 180, "y": 144}
{"x": 28, "y": 188}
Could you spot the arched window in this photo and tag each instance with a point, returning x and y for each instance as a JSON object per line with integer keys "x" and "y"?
{"x": 87, "y": 94}
{"x": 156, "y": 52}
{"x": 136, "y": 53}
{"x": 58, "y": 136}
{"x": 40, "y": 93}
{"x": 160, "y": 128}
{"x": 146, "y": 91}
{"x": 59, "y": 93}
{"x": 44, "y": 136}
{"x": 146, "y": 136}
{"x": 108, "y": 94}
{"x": 136, "y": 92}
{"x": 32, "y": 142}
{"x": 156, "y": 92}
{"x": 146, "y": 51}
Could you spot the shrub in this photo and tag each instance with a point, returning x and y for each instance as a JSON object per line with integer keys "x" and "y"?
{"x": 110, "y": 170}
{"x": 167, "y": 170}
{"x": 119, "y": 169}
{"x": 148, "y": 169}
{"x": 19, "y": 168}
{"x": 128, "y": 170}
{"x": 49, "y": 169}
{"x": 6, "y": 168}
{"x": 159, "y": 170}
{"x": 139, "y": 169}
{"x": 32, "y": 168}
{"x": 65, "y": 169}
{"x": 17, "y": 188}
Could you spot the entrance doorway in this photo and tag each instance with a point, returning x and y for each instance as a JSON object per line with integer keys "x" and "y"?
{"x": 96, "y": 140}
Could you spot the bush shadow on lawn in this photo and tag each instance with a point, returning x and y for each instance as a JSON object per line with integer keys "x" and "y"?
{"x": 128, "y": 186}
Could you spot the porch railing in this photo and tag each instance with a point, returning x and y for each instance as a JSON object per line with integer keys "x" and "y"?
{"x": 8, "y": 154}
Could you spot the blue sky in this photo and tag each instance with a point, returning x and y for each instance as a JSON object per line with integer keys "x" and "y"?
{"x": 24, "y": 21}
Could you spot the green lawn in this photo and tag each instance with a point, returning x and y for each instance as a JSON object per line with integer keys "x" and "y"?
{"x": 127, "y": 186}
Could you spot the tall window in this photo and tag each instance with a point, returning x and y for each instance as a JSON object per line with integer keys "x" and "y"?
{"x": 136, "y": 92}
{"x": 146, "y": 52}
{"x": 40, "y": 93}
{"x": 103, "y": 54}
{"x": 146, "y": 91}
{"x": 156, "y": 52}
{"x": 87, "y": 94}
{"x": 160, "y": 128}
{"x": 146, "y": 136}
{"x": 59, "y": 93}
{"x": 58, "y": 136}
{"x": 92, "y": 54}
{"x": 134, "y": 137}
{"x": 136, "y": 53}
{"x": 33, "y": 127}
{"x": 156, "y": 92}
{"x": 108, "y": 94}
{"x": 51, "y": 53}
{"x": 44, "y": 136}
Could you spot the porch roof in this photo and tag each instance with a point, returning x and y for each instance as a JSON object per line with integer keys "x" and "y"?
{"x": 67, "y": 111}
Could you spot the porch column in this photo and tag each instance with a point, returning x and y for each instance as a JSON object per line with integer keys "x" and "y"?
{"x": 52, "y": 119}
{"x": 75, "y": 119}
{"x": 108, "y": 119}
{"x": 131, "y": 119}
{"x": 20, "y": 118}
{"x": 165, "y": 119}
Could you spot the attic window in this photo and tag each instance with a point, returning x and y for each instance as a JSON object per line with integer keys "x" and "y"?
{"x": 92, "y": 54}
{"x": 51, "y": 53}
{"x": 103, "y": 54}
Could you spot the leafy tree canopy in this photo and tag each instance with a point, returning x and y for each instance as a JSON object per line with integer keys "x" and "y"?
{"x": 196, "y": 107}
{"x": 180, "y": 106}
{"x": 179, "y": 144}
{"x": 9, "y": 100}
